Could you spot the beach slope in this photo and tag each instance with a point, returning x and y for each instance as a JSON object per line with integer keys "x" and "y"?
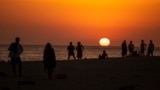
{"x": 131, "y": 73}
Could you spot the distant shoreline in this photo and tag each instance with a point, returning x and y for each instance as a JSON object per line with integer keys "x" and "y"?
{"x": 96, "y": 59}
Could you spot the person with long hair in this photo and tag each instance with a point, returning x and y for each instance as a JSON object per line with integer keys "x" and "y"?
{"x": 150, "y": 48}
{"x": 49, "y": 60}
{"x": 124, "y": 49}
{"x": 79, "y": 49}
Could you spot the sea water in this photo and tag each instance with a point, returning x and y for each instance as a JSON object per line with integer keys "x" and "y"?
{"x": 35, "y": 52}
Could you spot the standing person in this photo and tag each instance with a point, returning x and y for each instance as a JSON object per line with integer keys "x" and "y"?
{"x": 79, "y": 49}
{"x": 16, "y": 50}
{"x": 143, "y": 47}
{"x": 124, "y": 48}
{"x": 49, "y": 59}
{"x": 71, "y": 49}
{"x": 131, "y": 48}
{"x": 150, "y": 48}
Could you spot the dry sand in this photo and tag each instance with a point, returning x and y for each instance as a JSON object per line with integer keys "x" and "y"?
{"x": 131, "y": 73}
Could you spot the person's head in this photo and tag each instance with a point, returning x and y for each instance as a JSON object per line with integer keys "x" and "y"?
{"x": 150, "y": 41}
{"x": 142, "y": 41}
{"x": 130, "y": 41}
{"x": 48, "y": 45}
{"x": 104, "y": 51}
{"x": 17, "y": 39}
{"x": 70, "y": 43}
{"x": 79, "y": 43}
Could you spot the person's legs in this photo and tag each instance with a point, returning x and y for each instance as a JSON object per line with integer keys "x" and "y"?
{"x": 18, "y": 61}
{"x": 142, "y": 52}
{"x": 151, "y": 53}
{"x": 13, "y": 63}
{"x": 68, "y": 57}
{"x": 130, "y": 53}
{"x": 20, "y": 69}
{"x": 74, "y": 57}
{"x": 50, "y": 72}
{"x": 14, "y": 69}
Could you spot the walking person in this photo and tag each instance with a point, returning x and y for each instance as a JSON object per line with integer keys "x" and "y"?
{"x": 16, "y": 50}
{"x": 124, "y": 48}
{"x": 71, "y": 49}
{"x": 79, "y": 49}
{"x": 142, "y": 47}
{"x": 49, "y": 60}
{"x": 150, "y": 48}
{"x": 131, "y": 48}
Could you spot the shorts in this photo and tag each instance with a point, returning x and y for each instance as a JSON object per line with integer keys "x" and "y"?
{"x": 16, "y": 60}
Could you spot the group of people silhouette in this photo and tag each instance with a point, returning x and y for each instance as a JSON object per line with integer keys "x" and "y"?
{"x": 49, "y": 59}
{"x": 143, "y": 47}
{"x": 15, "y": 50}
{"x": 71, "y": 48}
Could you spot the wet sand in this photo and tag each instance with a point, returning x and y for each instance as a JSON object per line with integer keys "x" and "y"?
{"x": 131, "y": 73}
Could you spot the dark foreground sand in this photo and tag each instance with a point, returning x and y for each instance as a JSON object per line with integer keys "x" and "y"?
{"x": 136, "y": 73}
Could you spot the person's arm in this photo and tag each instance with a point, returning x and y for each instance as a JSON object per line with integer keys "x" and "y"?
{"x": 21, "y": 49}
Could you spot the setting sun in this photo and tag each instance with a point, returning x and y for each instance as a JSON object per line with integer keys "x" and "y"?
{"x": 104, "y": 42}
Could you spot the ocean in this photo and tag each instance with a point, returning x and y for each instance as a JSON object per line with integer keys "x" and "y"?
{"x": 35, "y": 52}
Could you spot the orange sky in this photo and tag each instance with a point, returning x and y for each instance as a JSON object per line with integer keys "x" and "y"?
{"x": 62, "y": 21}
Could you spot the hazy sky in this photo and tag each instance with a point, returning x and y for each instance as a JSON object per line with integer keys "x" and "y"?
{"x": 62, "y": 21}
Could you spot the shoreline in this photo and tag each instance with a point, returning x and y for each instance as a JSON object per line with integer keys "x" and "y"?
{"x": 85, "y": 59}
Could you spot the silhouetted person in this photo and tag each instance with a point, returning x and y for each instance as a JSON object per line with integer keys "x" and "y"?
{"x": 131, "y": 48}
{"x": 79, "y": 49}
{"x": 150, "y": 48}
{"x": 124, "y": 48}
{"x": 104, "y": 55}
{"x": 142, "y": 47}
{"x": 71, "y": 49}
{"x": 49, "y": 60}
{"x": 15, "y": 51}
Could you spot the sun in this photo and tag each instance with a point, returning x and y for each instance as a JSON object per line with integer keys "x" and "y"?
{"x": 104, "y": 42}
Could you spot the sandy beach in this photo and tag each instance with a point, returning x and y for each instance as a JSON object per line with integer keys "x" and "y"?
{"x": 131, "y": 73}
